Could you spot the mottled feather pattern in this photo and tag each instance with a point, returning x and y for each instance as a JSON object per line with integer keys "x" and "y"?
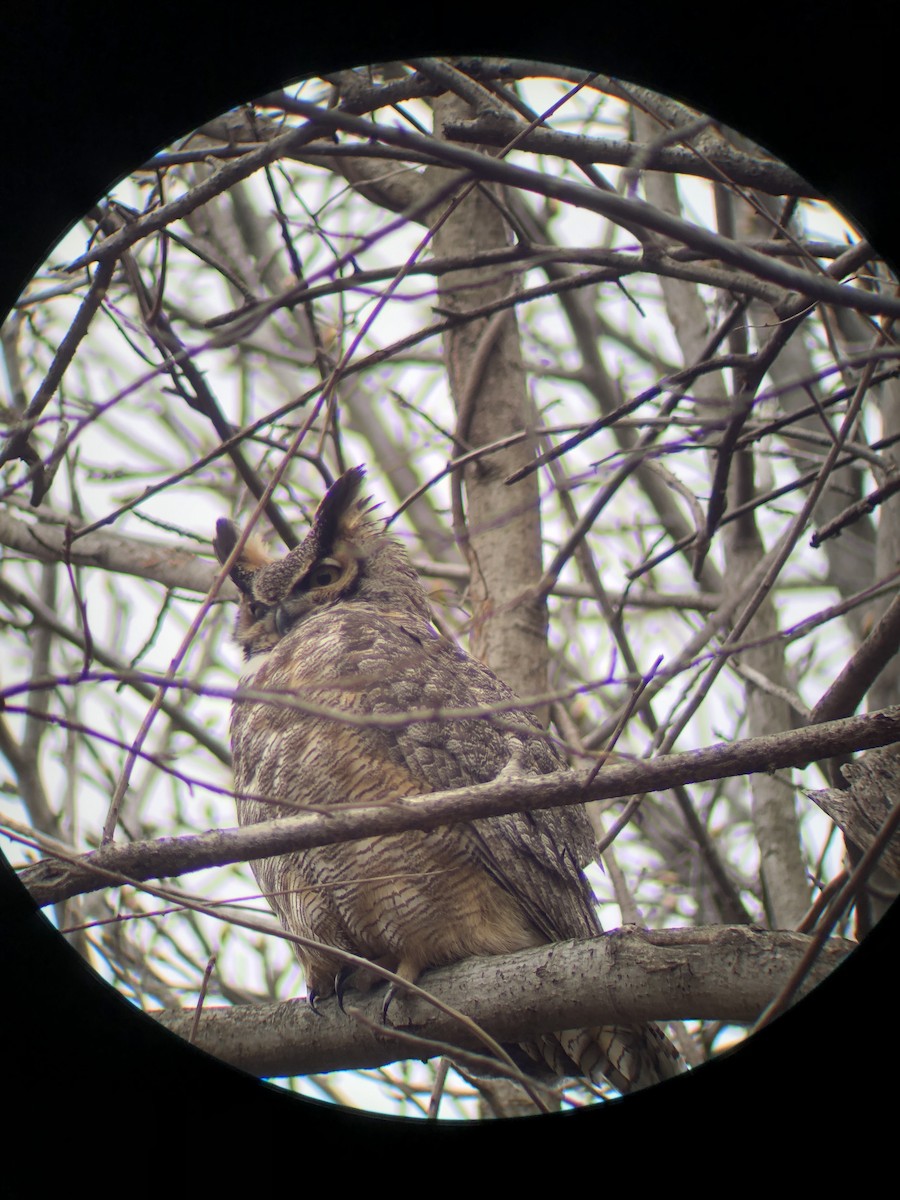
{"x": 354, "y": 635}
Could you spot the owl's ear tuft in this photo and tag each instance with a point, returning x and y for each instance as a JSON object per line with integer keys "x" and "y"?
{"x": 253, "y": 556}
{"x": 225, "y": 540}
{"x": 336, "y": 507}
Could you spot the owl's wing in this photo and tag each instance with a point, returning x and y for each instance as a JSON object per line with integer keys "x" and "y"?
{"x": 536, "y": 856}
{"x": 530, "y": 855}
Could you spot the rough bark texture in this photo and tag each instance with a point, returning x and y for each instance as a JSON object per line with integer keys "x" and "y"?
{"x": 775, "y": 817}
{"x": 725, "y": 972}
{"x": 502, "y": 539}
{"x": 861, "y": 809}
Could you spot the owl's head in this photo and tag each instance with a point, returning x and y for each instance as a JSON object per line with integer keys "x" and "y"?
{"x": 345, "y": 558}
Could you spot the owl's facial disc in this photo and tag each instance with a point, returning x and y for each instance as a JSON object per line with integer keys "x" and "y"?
{"x": 328, "y": 579}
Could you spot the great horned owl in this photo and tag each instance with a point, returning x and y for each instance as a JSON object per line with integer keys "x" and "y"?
{"x": 344, "y": 622}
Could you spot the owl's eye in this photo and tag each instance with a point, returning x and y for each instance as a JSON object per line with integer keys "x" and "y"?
{"x": 258, "y": 610}
{"x": 323, "y": 574}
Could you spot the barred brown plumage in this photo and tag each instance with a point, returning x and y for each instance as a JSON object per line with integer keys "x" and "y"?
{"x": 344, "y": 621}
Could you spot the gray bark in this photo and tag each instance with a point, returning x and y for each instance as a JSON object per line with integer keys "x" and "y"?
{"x": 728, "y": 973}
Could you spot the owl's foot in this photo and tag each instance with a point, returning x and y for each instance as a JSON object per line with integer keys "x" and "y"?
{"x": 312, "y": 999}
{"x": 517, "y": 766}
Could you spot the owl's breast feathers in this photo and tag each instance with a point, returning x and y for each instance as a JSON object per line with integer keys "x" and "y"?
{"x": 485, "y": 887}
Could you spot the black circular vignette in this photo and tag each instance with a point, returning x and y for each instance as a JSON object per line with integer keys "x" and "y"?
{"x": 96, "y": 1087}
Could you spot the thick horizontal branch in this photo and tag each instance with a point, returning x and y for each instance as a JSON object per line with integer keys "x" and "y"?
{"x": 174, "y": 567}
{"x": 165, "y": 564}
{"x": 52, "y": 881}
{"x": 728, "y": 973}
{"x": 718, "y": 161}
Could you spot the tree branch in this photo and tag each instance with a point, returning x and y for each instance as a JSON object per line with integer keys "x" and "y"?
{"x": 165, "y": 564}
{"x": 52, "y": 881}
{"x": 727, "y": 973}
{"x": 718, "y": 162}
{"x": 619, "y": 209}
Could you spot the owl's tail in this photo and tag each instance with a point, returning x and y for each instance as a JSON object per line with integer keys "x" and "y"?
{"x": 630, "y": 1057}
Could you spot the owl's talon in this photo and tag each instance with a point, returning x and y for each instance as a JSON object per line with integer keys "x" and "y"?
{"x": 340, "y": 983}
{"x": 389, "y": 999}
{"x": 312, "y": 997}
